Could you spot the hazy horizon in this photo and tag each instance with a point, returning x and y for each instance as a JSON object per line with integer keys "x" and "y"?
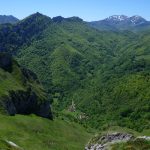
{"x": 72, "y": 16}
{"x": 87, "y": 10}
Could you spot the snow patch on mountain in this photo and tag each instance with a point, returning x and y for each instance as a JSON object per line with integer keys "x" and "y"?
{"x": 117, "y": 18}
{"x": 122, "y": 18}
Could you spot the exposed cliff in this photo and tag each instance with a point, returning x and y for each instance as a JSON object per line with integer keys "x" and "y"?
{"x": 118, "y": 141}
{"x": 20, "y": 90}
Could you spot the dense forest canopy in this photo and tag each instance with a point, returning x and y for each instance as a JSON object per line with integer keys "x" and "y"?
{"x": 105, "y": 73}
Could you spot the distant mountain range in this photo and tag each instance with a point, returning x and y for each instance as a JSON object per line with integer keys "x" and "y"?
{"x": 8, "y": 19}
{"x": 112, "y": 23}
{"x": 121, "y": 22}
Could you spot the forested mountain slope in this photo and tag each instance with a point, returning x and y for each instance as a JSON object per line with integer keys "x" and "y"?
{"x": 105, "y": 73}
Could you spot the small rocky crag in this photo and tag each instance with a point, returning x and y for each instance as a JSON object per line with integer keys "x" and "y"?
{"x": 104, "y": 142}
{"x": 20, "y": 90}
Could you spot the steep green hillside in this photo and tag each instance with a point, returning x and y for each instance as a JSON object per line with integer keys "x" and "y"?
{"x": 35, "y": 133}
{"x": 106, "y": 74}
{"x": 119, "y": 93}
{"x": 20, "y": 90}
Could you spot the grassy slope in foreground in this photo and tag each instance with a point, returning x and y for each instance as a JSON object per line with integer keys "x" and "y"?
{"x": 35, "y": 133}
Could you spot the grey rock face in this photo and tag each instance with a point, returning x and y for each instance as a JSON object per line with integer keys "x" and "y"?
{"x": 5, "y": 62}
{"x": 27, "y": 103}
{"x": 23, "y": 102}
{"x": 13, "y": 145}
{"x": 105, "y": 141}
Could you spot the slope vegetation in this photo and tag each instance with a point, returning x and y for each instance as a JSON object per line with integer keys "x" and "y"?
{"x": 105, "y": 73}
{"x": 35, "y": 133}
{"x": 20, "y": 90}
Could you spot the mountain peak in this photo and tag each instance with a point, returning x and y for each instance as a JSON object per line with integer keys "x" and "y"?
{"x": 137, "y": 16}
{"x": 8, "y": 19}
{"x": 36, "y": 17}
{"x": 58, "y": 19}
{"x": 137, "y": 19}
{"x": 117, "y": 18}
{"x": 134, "y": 20}
{"x": 37, "y": 14}
{"x": 121, "y": 22}
{"x": 74, "y": 19}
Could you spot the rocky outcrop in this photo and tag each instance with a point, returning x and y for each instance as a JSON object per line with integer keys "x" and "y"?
{"x": 30, "y": 98}
{"x": 13, "y": 145}
{"x": 105, "y": 141}
{"x": 26, "y": 102}
{"x": 72, "y": 107}
{"x": 6, "y": 62}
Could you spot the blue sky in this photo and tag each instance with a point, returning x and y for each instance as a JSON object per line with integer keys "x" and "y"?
{"x": 89, "y": 10}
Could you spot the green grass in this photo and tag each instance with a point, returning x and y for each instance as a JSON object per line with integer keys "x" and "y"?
{"x": 113, "y": 129}
{"x": 8, "y": 83}
{"x": 35, "y": 133}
